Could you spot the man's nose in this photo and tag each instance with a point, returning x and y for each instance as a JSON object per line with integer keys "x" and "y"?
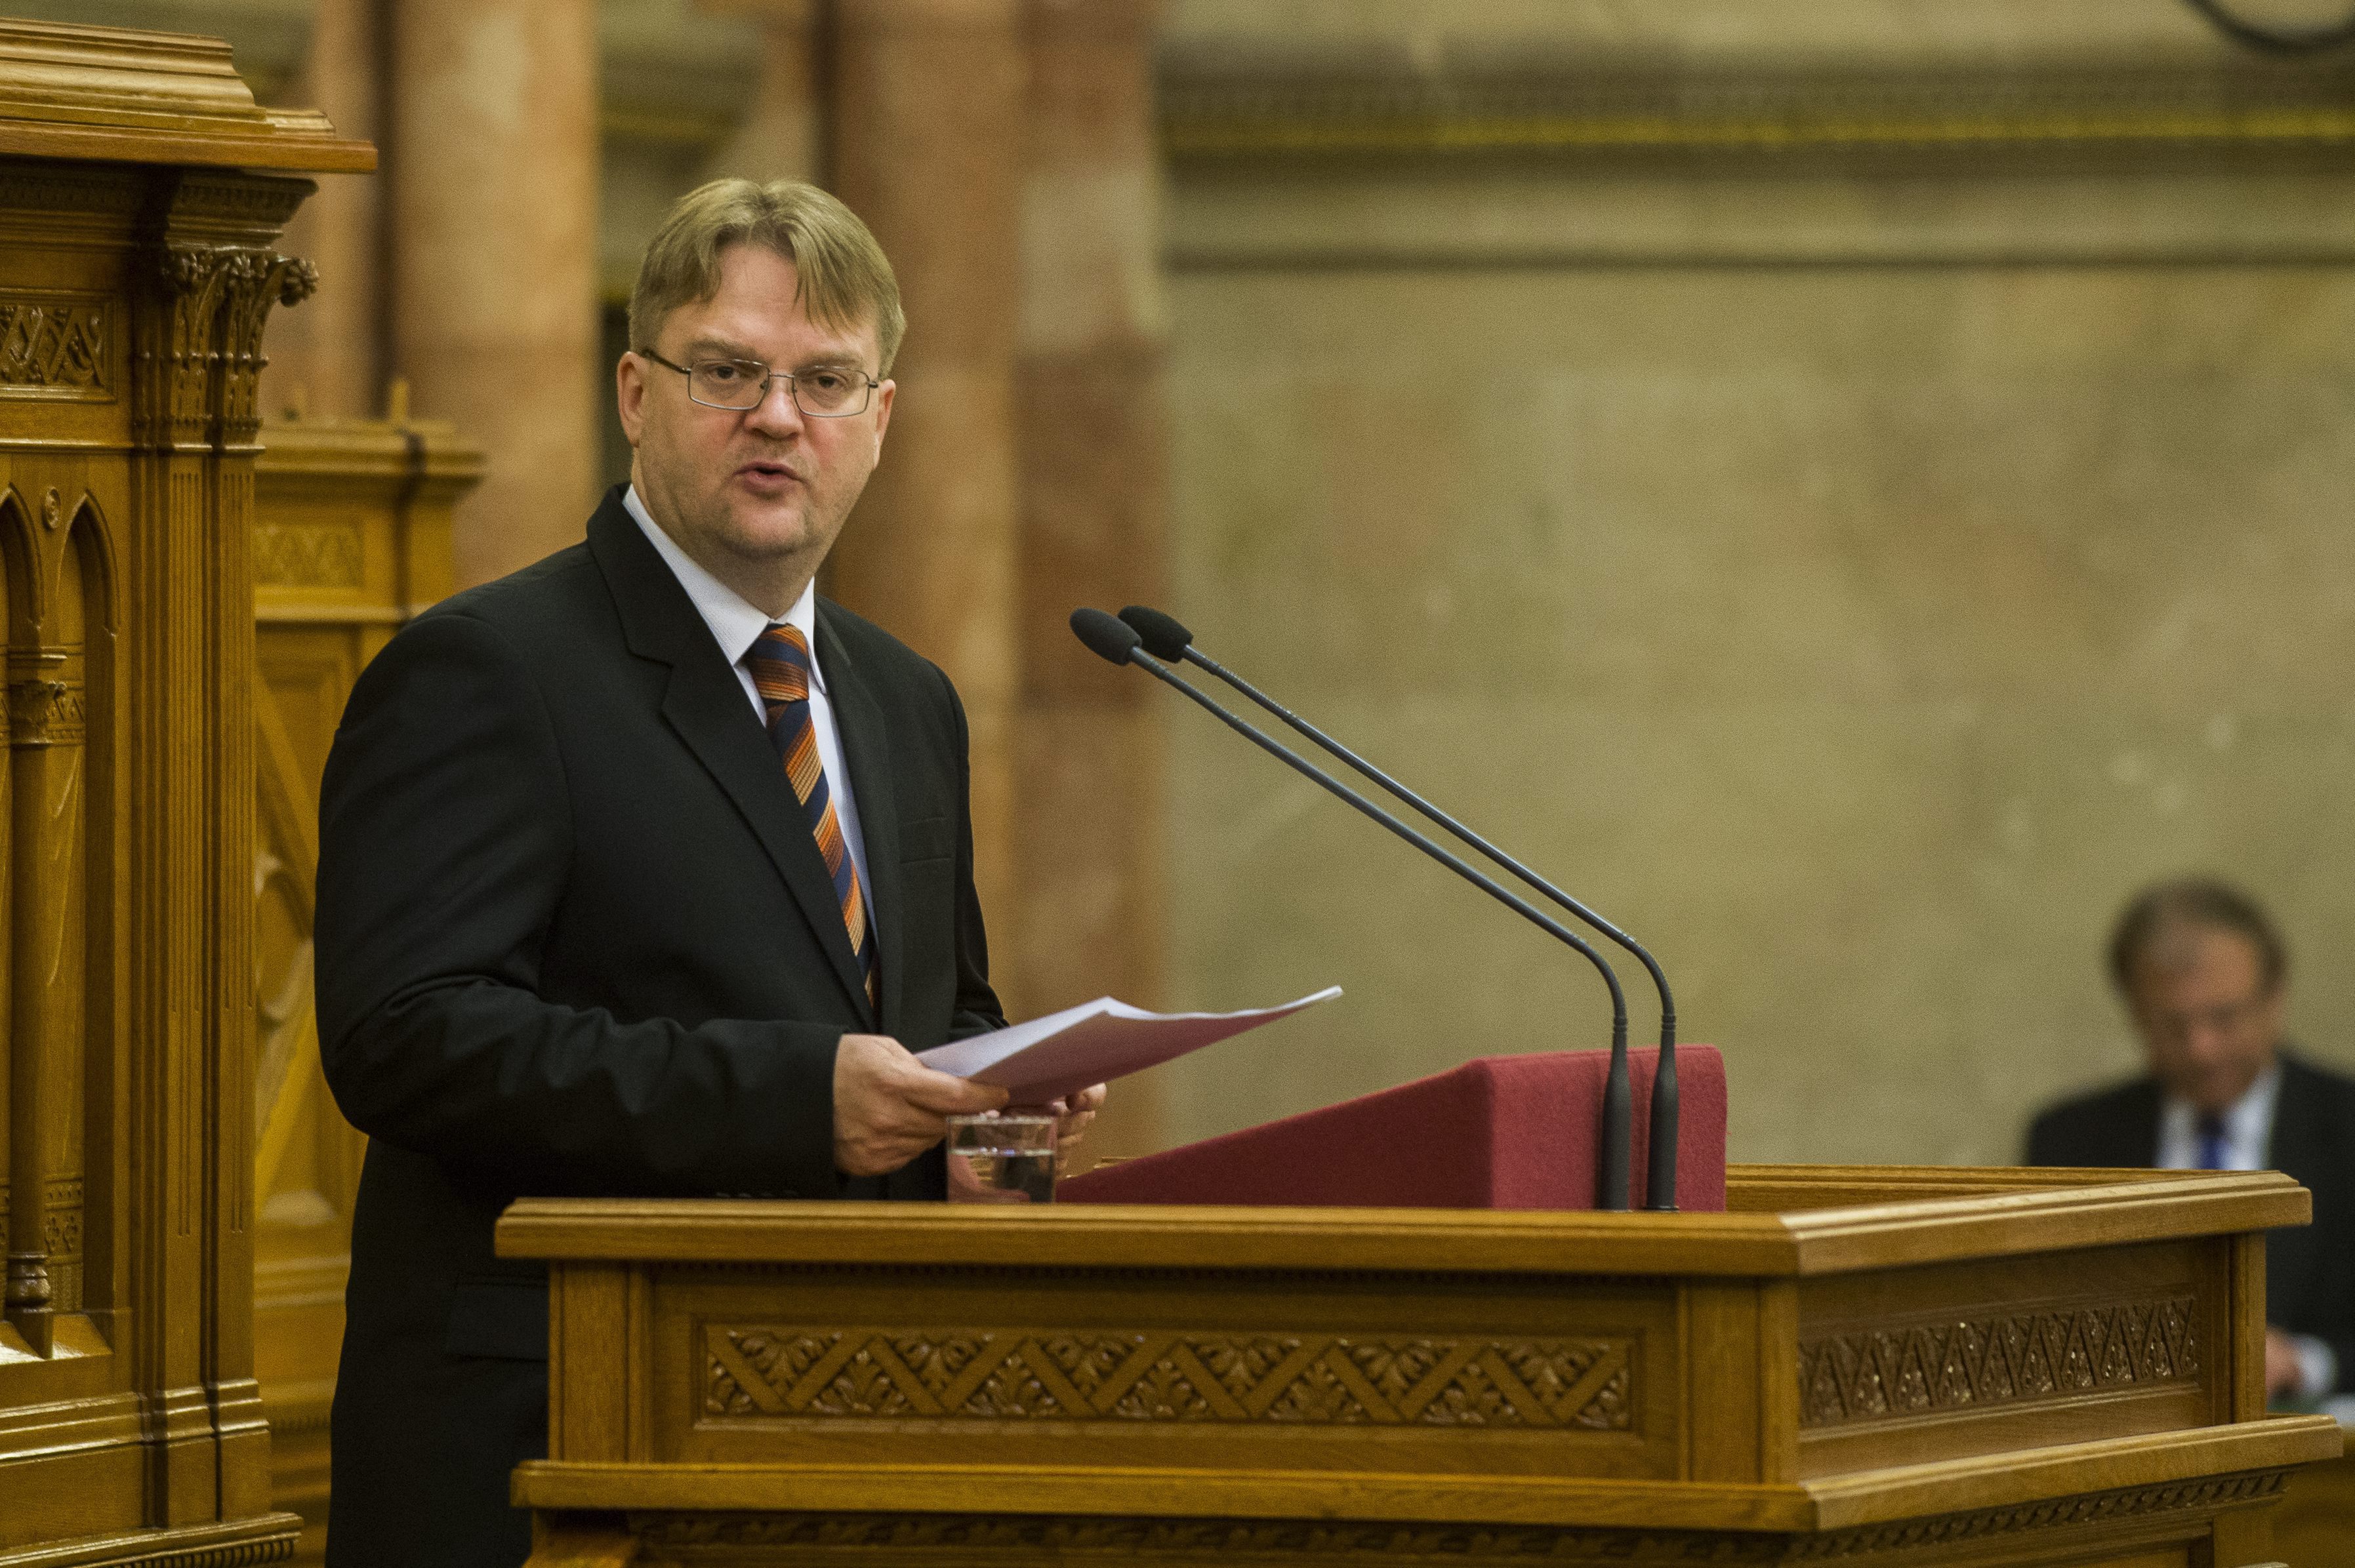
{"x": 2205, "y": 1038}
{"x": 776, "y": 409}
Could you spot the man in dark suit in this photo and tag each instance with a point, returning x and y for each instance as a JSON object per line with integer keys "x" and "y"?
{"x": 642, "y": 871}
{"x": 2204, "y": 973}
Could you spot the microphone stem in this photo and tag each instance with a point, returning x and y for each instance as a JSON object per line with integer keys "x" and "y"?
{"x": 1611, "y": 1183}
{"x": 1660, "y": 1185}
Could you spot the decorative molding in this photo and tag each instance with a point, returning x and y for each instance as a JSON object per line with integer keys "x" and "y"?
{"x": 1214, "y": 110}
{"x": 29, "y": 1281}
{"x": 214, "y": 195}
{"x": 63, "y": 1228}
{"x": 56, "y": 349}
{"x": 920, "y": 1374}
{"x": 28, "y": 188}
{"x": 62, "y": 1235}
{"x": 307, "y": 555}
{"x": 2213, "y": 1492}
{"x": 228, "y": 1554}
{"x": 1899, "y": 1371}
{"x": 217, "y": 298}
{"x": 973, "y": 1538}
{"x": 46, "y": 713}
{"x": 968, "y": 1538}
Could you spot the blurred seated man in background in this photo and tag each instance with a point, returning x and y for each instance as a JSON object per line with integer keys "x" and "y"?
{"x": 2204, "y": 973}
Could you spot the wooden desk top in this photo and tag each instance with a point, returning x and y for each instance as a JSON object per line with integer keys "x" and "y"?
{"x": 1822, "y": 1227}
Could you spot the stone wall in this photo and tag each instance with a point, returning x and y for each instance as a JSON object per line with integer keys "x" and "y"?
{"x": 1853, "y": 522}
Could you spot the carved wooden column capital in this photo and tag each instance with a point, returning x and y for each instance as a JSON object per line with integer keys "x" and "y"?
{"x": 208, "y": 336}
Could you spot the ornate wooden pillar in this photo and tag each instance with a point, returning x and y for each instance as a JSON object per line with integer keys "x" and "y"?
{"x": 138, "y": 262}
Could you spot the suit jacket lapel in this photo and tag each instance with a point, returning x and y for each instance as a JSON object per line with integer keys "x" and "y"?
{"x": 866, "y": 754}
{"x": 705, "y": 705}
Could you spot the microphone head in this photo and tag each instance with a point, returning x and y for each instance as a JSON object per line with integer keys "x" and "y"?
{"x": 1164, "y": 636}
{"x": 1104, "y": 634}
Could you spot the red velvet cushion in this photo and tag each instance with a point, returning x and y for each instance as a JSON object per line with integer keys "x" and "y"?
{"x": 1502, "y": 1132}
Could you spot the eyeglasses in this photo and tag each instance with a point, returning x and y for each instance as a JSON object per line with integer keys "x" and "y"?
{"x": 828, "y": 392}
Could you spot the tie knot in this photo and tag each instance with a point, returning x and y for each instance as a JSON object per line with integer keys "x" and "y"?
{"x": 2211, "y": 1124}
{"x": 778, "y": 660}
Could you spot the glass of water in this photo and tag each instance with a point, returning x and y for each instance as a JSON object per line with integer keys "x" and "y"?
{"x": 1004, "y": 1157}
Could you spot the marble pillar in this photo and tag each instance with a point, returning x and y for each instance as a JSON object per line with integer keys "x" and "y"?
{"x": 783, "y": 134}
{"x": 1091, "y": 443}
{"x": 328, "y": 358}
{"x": 492, "y": 164}
{"x": 928, "y": 127}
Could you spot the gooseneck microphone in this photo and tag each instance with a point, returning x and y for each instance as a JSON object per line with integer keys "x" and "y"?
{"x": 1115, "y": 641}
{"x": 1165, "y": 636}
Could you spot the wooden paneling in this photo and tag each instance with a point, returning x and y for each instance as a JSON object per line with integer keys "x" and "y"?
{"x": 2315, "y": 1525}
{"x": 137, "y": 265}
{"x": 351, "y": 537}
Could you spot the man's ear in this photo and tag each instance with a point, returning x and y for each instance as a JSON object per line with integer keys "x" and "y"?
{"x": 630, "y": 394}
{"x": 883, "y": 408}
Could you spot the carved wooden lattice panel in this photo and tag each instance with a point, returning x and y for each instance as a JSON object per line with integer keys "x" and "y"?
{"x": 309, "y": 555}
{"x": 1882, "y": 1374}
{"x": 55, "y": 348}
{"x": 966, "y": 1539}
{"x": 983, "y": 1374}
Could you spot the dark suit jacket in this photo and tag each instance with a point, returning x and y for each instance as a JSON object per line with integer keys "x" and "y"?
{"x": 574, "y": 936}
{"x": 2309, "y": 1271}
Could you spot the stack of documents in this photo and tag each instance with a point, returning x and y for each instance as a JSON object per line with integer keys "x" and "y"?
{"x": 1093, "y": 1043}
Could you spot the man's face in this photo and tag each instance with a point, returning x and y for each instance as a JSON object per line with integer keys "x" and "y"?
{"x": 754, "y": 496}
{"x": 2207, "y": 1017}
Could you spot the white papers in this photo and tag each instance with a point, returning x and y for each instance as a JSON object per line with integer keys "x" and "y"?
{"x": 1093, "y": 1043}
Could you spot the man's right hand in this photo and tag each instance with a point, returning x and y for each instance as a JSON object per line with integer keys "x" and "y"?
{"x": 889, "y": 1108}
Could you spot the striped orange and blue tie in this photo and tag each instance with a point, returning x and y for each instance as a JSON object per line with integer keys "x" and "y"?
{"x": 779, "y": 660}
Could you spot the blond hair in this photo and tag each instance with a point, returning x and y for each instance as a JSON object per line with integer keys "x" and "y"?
{"x": 845, "y": 281}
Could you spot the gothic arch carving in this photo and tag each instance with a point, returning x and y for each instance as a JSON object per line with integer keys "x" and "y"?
{"x": 92, "y": 536}
{"x": 20, "y": 555}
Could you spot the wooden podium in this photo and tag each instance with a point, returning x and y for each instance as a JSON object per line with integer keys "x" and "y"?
{"x": 1852, "y": 1365}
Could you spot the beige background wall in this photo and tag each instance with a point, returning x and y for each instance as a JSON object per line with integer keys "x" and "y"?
{"x": 1855, "y": 577}
{"x": 1851, "y": 487}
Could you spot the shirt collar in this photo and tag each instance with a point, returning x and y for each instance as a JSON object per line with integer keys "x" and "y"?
{"x": 2247, "y": 1120}
{"x": 735, "y": 621}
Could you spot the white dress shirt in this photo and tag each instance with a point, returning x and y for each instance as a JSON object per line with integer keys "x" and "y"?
{"x": 736, "y": 624}
{"x": 2248, "y": 1133}
{"x": 2248, "y": 1129}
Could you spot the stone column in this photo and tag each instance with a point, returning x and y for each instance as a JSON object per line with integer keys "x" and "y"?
{"x": 783, "y": 134}
{"x": 927, "y": 148}
{"x": 1092, "y": 475}
{"x": 491, "y": 160}
{"x": 327, "y": 360}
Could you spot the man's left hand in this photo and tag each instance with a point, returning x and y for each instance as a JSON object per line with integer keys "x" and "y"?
{"x": 1072, "y": 1116}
